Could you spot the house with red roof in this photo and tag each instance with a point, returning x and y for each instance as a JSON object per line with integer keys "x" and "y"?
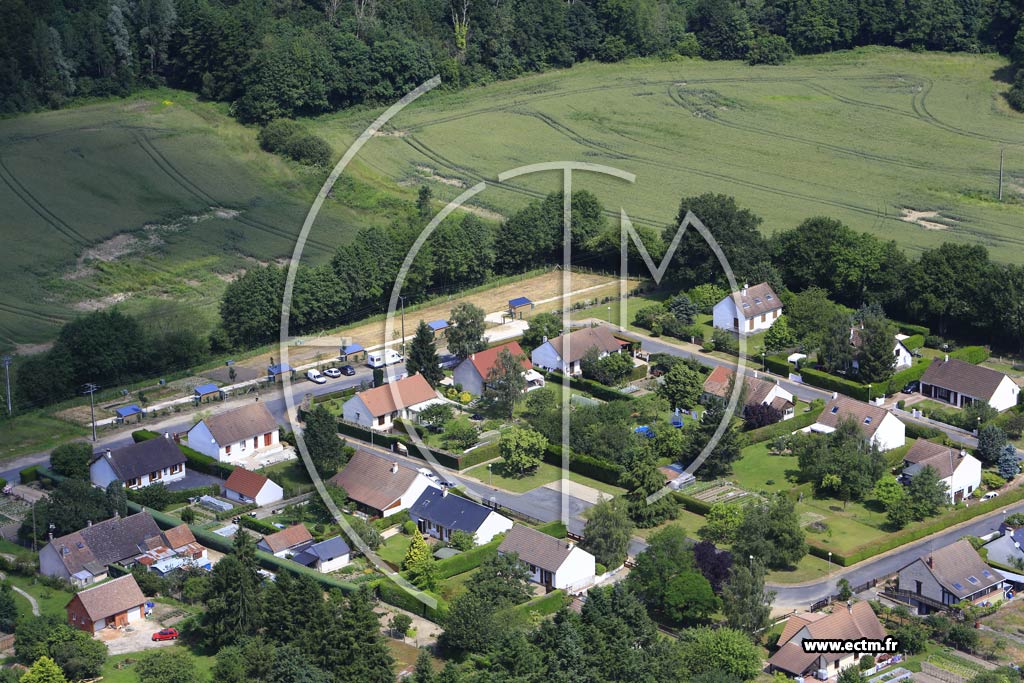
{"x": 247, "y": 486}
{"x": 473, "y": 372}
{"x": 379, "y": 407}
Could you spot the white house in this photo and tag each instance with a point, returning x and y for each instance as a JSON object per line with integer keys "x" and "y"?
{"x": 759, "y": 391}
{"x": 959, "y": 384}
{"x": 951, "y": 574}
{"x": 154, "y": 461}
{"x": 880, "y": 427}
{"x": 326, "y": 556}
{"x": 439, "y": 513}
{"x": 958, "y": 470}
{"x": 289, "y": 541}
{"x": 379, "y": 407}
{"x": 749, "y": 310}
{"x": 234, "y": 434}
{"x": 554, "y": 563}
{"x": 472, "y": 373}
{"x": 246, "y": 486}
{"x": 904, "y": 358}
{"x": 565, "y": 352}
{"x": 380, "y": 486}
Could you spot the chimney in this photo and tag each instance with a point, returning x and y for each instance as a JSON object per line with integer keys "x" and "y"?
{"x": 745, "y": 286}
{"x": 849, "y": 606}
{"x": 544, "y": 339}
{"x": 394, "y": 467}
{"x": 931, "y": 562}
{"x": 444, "y": 492}
{"x": 108, "y": 454}
{"x": 63, "y": 549}
{"x": 947, "y": 357}
{"x": 472, "y": 356}
{"x": 166, "y": 435}
{"x": 963, "y": 453}
{"x": 835, "y": 395}
{"x": 755, "y": 374}
{"x": 88, "y": 522}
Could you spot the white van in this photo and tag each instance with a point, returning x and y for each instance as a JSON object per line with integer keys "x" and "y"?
{"x": 380, "y": 359}
{"x": 314, "y": 375}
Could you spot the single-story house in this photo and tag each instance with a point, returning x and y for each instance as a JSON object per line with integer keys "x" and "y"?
{"x": 472, "y": 373}
{"x": 439, "y": 513}
{"x": 82, "y": 557}
{"x": 759, "y": 391}
{"x": 325, "y": 556}
{"x": 236, "y": 433}
{"x": 247, "y": 486}
{"x": 750, "y": 310}
{"x": 379, "y": 407}
{"x": 154, "y": 461}
{"x": 904, "y": 358}
{"x": 553, "y": 562}
{"x": 854, "y": 621}
{"x": 959, "y": 384}
{"x": 959, "y": 470}
{"x": 949, "y": 575}
{"x": 380, "y": 486}
{"x": 880, "y": 427}
{"x": 288, "y": 541}
{"x": 115, "y": 603}
{"x": 564, "y": 353}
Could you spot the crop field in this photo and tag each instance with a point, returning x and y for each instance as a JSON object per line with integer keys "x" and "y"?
{"x": 902, "y": 145}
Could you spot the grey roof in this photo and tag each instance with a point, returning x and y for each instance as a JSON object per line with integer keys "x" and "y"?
{"x": 324, "y": 550}
{"x": 138, "y": 459}
{"x": 449, "y": 510}
{"x": 959, "y": 569}
{"x": 114, "y": 540}
{"x": 110, "y": 598}
{"x": 868, "y": 417}
{"x": 242, "y": 423}
{"x": 964, "y": 378}
{"x": 1007, "y": 547}
{"x": 756, "y": 299}
{"x": 583, "y": 340}
{"x": 943, "y": 459}
{"x": 536, "y": 548}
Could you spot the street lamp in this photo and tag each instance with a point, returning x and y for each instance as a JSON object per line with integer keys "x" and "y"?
{"x": 830, "y": 563}
{"x": 402, "y": 297}
{"x": 609, "y": 315}
{"x": 764, "y": 367}
{"x": 869, "y": 393}
{"x": 751, "y": 563}
{"x": 490, "y": 480}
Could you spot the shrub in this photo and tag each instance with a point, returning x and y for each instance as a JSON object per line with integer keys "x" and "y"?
{"x": 273, "y": 136}
{"x": 410, "y": 528}
{"x": 258, "y": 525}
{"x": 914, "y": 341}
{"x": 29, "y": 474}
{"x": 991, "y": 480}
{"x": 309, "y": 149}
{"x": 769, "y": 49}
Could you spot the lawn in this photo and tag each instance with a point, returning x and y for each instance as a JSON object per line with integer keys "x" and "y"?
{"x": 291, "y": 476}
{"x": 120, "y": 668}
{"x": 34, "y": 432}
{"x": 808, "y": 568}
{"x": 51, "y": 601}
{"x": 757, "y": 467}
{"x": 688, "y": 521}
{"x": 393, "y": 549}
{"x": 545, "y": 474}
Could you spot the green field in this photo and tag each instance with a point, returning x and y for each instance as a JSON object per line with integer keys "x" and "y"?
{"x": 163, "y": 196}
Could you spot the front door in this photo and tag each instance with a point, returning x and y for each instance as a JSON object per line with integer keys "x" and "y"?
{"x": 121, "y": 619}
{"x": 267, "y": 439}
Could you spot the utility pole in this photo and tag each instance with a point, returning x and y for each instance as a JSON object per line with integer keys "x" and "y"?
{"x": 6, "y": 360}
{"x": 1001, "y": 153}
{"x": 400, "y": 296}
{"x": 91, "y": 389}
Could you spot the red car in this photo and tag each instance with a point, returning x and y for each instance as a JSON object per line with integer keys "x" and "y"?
{"x": 166, "y": 634}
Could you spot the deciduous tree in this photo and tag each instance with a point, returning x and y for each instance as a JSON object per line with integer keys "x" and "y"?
{"x": 466, "y": 330}
{"x": 607, "y": 532}
{"x": 522, "y": 449}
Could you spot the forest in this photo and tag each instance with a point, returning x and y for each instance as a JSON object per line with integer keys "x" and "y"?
{"x": 304, "y": 57}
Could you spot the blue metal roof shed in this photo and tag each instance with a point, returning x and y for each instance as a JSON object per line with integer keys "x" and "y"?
{"x": 518, "y": 302}
{"x": 351, "y": 348}
{"x": 206, "y": 390}
{"x": 278, "y": 369}
{"x": 438, "y": 325}
{"x": 128, "y": 411}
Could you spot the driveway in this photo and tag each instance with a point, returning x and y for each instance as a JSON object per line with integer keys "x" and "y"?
{"x": 139, "y": 636}
{"x": 193, "y": 479}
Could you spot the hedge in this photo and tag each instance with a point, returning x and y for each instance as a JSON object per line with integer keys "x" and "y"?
{"x": 824, "y": 380}
{"x": 796, "y": 422}
{"x": 488, "y": 451}
{"x": 905, "y": 377}
{"x": 465, "y": 561}
{"x": 911, "y": 329}
{"x": 444, "y": 458}
{"x": 692, "y": 504}
{"x": 595, "y": 389}
{"x": 262, "y": 526}
{"x": 779, "y": 365}
{"x": 919, "y": 431}
{"x": 193, "y": 459}
{"x": 933, "y": 526}
{"x": 971, "y": 354}
{"x": 914, "y": 341}
{"x": 543, "y": 605}
{"x": 585, "y": 465}
{"x": 29, "y": 474}
{"x": 393, "y": 594}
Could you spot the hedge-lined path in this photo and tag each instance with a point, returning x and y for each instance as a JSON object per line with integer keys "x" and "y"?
{"x": 31, "y": 600}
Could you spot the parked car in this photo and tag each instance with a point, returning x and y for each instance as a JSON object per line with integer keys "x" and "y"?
{"x": 316, "y": 376}
{"x": 347, "y": 370}
{"x": 333, "y": 373}
{"x": 476, "y": 417}
{"x": 166, "y": 634}
{"x": 990, "y": 495}
{"x": 912, "y": 387}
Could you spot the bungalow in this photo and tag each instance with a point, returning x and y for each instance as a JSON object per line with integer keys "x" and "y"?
{"x": 472, "y": 373}
{"x": 237, "y": 433}
{"x": 759, "y": 391}
{"x": 564, "y": 353}
{"x": 289, "y": 541}
{"x": 379, "y": 407}
{"x": 554, "y": 563}
{"x": 949, "y": 575}
{"x": 879, "y": 426}
{"x": 959, "y": 384}
{"x": 154, "y": 461}
{"x": 851, "y": 622}
{"x": 325, "y": 556}
{"x": 750, "y": 310}
{"x": 247, "y": 486}
{"x": 904, "y": 358}
{"x": 958, "y": 470}
{"x": 439, "y": 513}
{"x": 380, "y": 486}
{"x": 1006, "y": 549}
{"x": 114, "y": 604}
{"x": 175, "y": 548}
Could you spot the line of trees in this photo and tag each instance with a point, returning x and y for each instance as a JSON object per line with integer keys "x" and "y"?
{"x": 305, "y": 57}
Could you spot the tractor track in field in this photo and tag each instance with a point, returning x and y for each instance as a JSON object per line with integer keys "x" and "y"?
{"x": 32, "y": 315}
{"x": 183, "y": 181}
{"x": 38, "y": 208}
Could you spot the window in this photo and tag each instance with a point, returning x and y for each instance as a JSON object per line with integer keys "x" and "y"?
{"x": 973, "y": 579}
{"x": 132, "y": 482}
{"x": 746, "y": 306}
{"x": 769, "y": 297}
{"x": 835, "y": 409}
{"x": 959, "y": 586}
{"x": 867, "y": 420}
{"x": 154, "y": 476}
{"x": 227, "y": 450}
{"x": 176, "y": 468}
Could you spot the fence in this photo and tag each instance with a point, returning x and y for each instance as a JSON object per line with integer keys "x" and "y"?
{"x": 6, "y": 641}
{"x": 941, "y": 674}
{"x": 825, "y": 602}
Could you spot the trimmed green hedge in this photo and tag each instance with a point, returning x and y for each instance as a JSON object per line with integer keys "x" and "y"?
{"x": 824, "y": 380}
{"x": 478, "y": 455}
{"x": 779, "y": 365}
{"x": 914, "y": 341}
{"x": 971, "y": 354}
{"x": 393, "y": 594}
{"x": 444, "y": 458}
{"x": 595, "y": 389}
{"x": 911, "y": 329}
{"x": 918, "y": 431}
{"x": 798, "y": 421}
{"x": 692, "y": 504}
{"x": 29, "y": 474}
{"x": 585, "y": 465}
{"x": 258, "y": 525}
{"x": 905, "y": 377}
{"x": 927, "y": 528}
{"x": 193, "y": 458}
{"x": 466, "y": 561}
